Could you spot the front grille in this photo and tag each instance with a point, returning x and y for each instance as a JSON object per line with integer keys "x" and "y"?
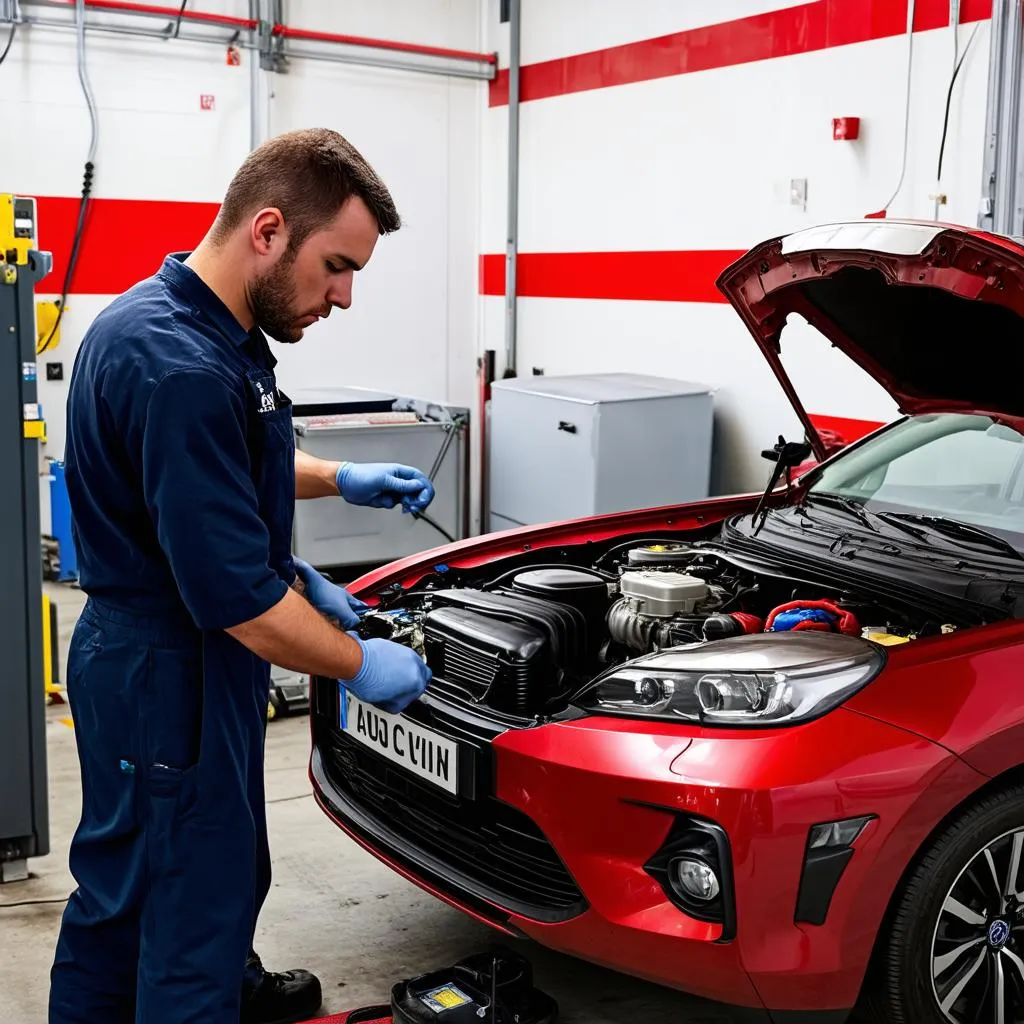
{"x": 483, "y": 847}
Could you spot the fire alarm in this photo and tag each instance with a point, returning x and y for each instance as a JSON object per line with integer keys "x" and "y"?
{"x": 234, "y": 57}
{"x": 845, "y": 129}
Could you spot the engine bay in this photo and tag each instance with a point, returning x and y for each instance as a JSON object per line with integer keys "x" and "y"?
{"x": 519, "y": 642}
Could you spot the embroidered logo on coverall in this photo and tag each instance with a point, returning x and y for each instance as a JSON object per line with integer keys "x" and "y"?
{"x": 267, "y": 401}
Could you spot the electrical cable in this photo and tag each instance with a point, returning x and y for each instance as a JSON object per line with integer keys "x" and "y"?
{"x": 177, "y": 24}
{"x": 453, "y": 424}
{"x": 949, "y": 99}
{"x": 430, "y": 522}
{"x": 83, "y": 77}
{"x": 954, "y": 24}
{"x": 911, "y": 5}
{"x": 32, "y": 903}
{"x": 90, "y": 100}
{"x": 10, "y": 39}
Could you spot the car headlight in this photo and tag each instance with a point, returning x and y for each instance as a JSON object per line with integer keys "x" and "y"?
{"x": 759, "y": 680}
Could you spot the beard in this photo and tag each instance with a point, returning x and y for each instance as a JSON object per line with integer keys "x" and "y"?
{"x": 272, "y": 300}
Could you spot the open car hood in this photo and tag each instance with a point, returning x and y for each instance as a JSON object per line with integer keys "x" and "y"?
{"x": 934, "y": 312}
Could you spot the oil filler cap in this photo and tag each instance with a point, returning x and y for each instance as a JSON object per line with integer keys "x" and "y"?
{"x": 495, "y": 987}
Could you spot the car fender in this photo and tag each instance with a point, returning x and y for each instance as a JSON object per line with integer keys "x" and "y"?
{"x": 964, "y": 691}
{"x": 864, "y": 897}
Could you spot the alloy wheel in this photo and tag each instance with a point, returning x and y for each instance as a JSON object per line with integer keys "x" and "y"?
{"x": 977, "y": 955}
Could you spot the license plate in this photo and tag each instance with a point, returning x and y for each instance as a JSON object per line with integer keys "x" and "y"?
{"x": 421, "y": 751}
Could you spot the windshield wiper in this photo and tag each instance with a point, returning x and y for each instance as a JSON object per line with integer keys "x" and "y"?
{"x": 865, "y": 516}
{"x": 854, "y": 508}
{"x": 955, "y": 528}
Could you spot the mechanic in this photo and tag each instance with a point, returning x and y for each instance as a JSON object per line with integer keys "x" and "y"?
{"x": 182, "y": 474}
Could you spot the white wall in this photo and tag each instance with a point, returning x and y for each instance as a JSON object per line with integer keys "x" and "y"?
{"x": 703, "y": 161}
{"x": 692, "y": 162}
{"x": 154, "y": 142}
{"x": 413, "y": 325}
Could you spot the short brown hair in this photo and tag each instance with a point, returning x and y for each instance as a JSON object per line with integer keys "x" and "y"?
{"x": 308, "y": 175}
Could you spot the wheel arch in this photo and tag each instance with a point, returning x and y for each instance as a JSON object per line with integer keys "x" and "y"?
{"x": 1008, "y": 779}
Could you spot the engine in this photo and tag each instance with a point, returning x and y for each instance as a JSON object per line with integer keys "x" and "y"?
{"x": 521, "y": 643}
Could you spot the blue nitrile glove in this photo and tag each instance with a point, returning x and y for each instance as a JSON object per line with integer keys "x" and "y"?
{"x": 328, "y": 598}
{"x": 384, "y": 485}
{"x": 391, "y": 677}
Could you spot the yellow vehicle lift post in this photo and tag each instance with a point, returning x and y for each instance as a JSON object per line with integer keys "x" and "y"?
{"x": 24, "y": 817}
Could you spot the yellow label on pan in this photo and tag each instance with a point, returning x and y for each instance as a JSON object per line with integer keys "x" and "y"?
{"x": 447, "y": 997}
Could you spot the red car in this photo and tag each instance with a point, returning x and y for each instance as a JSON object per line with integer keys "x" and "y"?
{"x": 767, "y": 749}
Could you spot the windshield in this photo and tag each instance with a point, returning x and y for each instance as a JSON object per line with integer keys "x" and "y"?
{"x": 961, "y": 467}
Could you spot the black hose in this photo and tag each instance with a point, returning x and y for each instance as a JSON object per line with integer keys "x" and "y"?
{"x": 10, "y": 39}
{"x": 949, "y": 99}
{"x": 430, "y": 522}
{"x": 611, "y": 577}
{"x": 637, "y": 542}
{"x": 69, "y": 271}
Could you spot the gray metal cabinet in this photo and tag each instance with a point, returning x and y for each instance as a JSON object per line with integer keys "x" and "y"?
{"x": 572, "y": 446}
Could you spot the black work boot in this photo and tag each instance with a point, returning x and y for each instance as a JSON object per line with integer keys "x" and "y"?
{"x": 285, "y": 998}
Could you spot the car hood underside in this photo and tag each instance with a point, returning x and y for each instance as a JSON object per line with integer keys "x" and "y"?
{"x": 934, "y": 313}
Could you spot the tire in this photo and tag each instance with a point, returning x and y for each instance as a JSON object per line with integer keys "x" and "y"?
{"x": 275, "y": 706}
{"x": 951, "y": 921}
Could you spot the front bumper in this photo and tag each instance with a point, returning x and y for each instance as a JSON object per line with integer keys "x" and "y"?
{"x": 605, "y": 794}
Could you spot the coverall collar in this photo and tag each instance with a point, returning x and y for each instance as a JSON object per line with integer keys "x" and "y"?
{"x": 208, "y": 304}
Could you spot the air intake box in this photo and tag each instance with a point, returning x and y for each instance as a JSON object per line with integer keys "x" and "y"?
{"x": 505, "y": 665}
{"x": 509, "y": 651}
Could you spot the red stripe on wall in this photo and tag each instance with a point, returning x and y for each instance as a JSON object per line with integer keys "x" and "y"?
{"x": 125, "y": 240}
{"x": 850, "y": 429}
{"x": 804, "y": 29}
{"x": 683, "y": 276}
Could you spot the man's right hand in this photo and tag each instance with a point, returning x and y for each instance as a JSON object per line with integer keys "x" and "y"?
{"x": 391, "y": 677}
{"x": 294, "y": 635}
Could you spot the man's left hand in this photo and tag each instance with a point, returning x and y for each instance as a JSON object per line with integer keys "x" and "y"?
{"x": 328, "y": 598}
{"x": 384, "y": 485}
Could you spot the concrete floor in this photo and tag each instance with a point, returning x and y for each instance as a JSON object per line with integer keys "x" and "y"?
{"x": 333, "y": 908}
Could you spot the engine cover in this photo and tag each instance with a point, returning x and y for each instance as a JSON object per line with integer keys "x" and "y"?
{"x": 509, "y": 651}
{"x": 564, "y": 628}
{"x": 505, "y": 665}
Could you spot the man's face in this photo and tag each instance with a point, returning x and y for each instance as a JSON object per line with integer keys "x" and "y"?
{"x": 304, "y": 284}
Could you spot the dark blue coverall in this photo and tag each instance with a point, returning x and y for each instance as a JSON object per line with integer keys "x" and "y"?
{"x": 181, "y": 476}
